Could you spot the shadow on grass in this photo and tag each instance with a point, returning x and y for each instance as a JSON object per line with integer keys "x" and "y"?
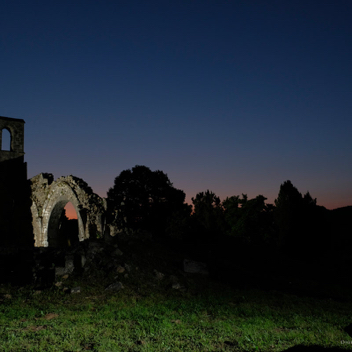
{"x": 348, "y": 329}
{"x": 314, "y": 348}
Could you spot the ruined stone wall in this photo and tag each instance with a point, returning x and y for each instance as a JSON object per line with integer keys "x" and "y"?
{"x": 30, "y": 210}
{"x": 49, "y": 198}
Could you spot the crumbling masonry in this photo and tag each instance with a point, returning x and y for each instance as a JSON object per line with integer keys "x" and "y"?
{"x": 42, "y": 197}
{"x": 48, "y": 201}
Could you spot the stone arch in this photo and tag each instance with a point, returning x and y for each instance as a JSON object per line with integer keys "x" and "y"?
{"x": 61, "y": 194}
{"x": 48, "y": 201}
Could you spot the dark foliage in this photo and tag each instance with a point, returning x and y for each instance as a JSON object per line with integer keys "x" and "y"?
{"x": 208, "y": 217}
{"x": 295, "y": 227}
{"x": 179, "y": 224}
{"x": 302, "y": 227}
{"x": 249, "y": 221}
{"x": 287, "y": 215}
{"x": 143, "y": 200}
{"x": 342, "y": 228}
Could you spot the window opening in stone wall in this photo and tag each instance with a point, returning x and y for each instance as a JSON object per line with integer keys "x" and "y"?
{"x": 68, "y": 230}
{"x": 6, "y": 140}
{"x": 70, "y": 211}
{"x": 62, "y": 231}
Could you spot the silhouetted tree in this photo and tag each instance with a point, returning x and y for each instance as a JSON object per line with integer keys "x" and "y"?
{"x": 341, "y": 229}
{"x": 142, "y": 199}
{"x": 302, "y": 226}
{"x": 249, "y": 221}
{"x": 232, "y": 213}
{"x": 179, "y": 225}
{"x": 287, "y": 217}
{"x": 308, "y": 201}
{"x": 208, "y": 216}
{"x": 316, "y": 227}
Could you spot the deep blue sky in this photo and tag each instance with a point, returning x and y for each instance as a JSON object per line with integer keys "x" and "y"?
{"x": 231, "y": 96}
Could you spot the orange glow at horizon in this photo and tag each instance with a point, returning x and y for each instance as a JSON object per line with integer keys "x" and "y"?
{"x": 334, "y": 204}
{"x": 70, "y": 211}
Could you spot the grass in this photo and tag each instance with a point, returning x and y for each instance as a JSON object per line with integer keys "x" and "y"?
{"x": 233, "y": 320}
{"x": 148, "y": 315}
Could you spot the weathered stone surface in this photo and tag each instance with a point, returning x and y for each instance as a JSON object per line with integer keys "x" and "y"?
{"x": 95, "y": 247}
{"x": 120, "y": 269}
{"x": 117, "y": 252}
{"x": 116, "y": 286}
{"x": 60, "y": 271}
{"x": 49, "y": 198}
{"x": 193, "y": 267}
{"x": 68, "y": 268}
{"x": 69, "y": 264}
{"x": 83, "y": 260}
{"x": 176, "y": 286}
{"x": 76, "y": 290}
{"x": 158, "y": 275}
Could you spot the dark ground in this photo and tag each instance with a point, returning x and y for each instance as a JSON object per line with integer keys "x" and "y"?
{"x": 326, "y": 276}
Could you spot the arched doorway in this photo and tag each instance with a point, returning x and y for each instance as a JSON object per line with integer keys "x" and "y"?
{"x": 63, "y": 225}
{"x": 68, "y": 227}
{"x": 53, "y": 210}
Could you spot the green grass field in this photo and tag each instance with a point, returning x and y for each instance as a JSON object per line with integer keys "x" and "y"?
{"x": 149, "y": 315}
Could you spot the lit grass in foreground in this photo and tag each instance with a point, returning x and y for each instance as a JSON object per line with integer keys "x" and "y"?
{"x": 160, "y": 319}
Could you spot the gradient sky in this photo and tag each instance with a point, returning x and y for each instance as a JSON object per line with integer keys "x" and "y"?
{"x": 231, "y": 96}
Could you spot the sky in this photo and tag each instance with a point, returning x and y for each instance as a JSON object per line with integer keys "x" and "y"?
{"x": 231, "y": 96}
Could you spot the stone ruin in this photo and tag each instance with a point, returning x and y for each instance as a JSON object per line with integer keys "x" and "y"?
{"x": 33, "y": 248}
{"x": 49, "y": 198}
{"x": 30, "y": 210}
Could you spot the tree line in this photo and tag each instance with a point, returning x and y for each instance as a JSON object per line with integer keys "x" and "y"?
{"x": 144, "y": 201}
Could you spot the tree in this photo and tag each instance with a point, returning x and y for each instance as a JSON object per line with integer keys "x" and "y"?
{"x": 316, "y": 227}
{"x": 288, "y": 216}
{"x": 249, "y": 221}
{"x": 302, "y": 226}
{"x": 142, "y": 199}
{"x": 178, "y": 224}
{"x": 208, "y": 215}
